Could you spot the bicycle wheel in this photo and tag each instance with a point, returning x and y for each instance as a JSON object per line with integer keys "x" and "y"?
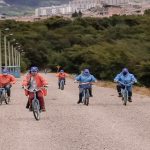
{"x": 125, "y": 97}
{"x": 36, "y": 109}
{"x": 87, "y": 97}
{"x": 1, "y": 100}
{"x": 62, "y": 85}
{"x": 83, "y": 97}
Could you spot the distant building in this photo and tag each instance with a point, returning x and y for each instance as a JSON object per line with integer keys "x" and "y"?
{"x": 108, "y": 6}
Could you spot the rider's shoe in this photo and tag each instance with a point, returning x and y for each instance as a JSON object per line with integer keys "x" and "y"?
{"x": 30, "y": 109}
{"x": 119, "y": 95}
{"x": 78, "y": 102}
{"x": 130, "y": 100}
{"x": 43, "y": 109}
{"x": 27, "y": 105}
{"x": 8, "y": 98}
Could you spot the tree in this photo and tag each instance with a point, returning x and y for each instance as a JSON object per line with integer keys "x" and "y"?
{"x": 75, "y": 14}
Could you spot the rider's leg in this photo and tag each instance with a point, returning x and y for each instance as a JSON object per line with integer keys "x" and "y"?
{"x": 59, "y": 83}
{"x": 80, "y": 95}
{"x": 90, "y": 92}
{"x": 28, "y": 104}
{"x": 31, "y": 97}
{"x": 119, "y": 90}
{"x": 7, "y": 87}
{"x": 41, "y": 100}
{"x": 130, "y": 93}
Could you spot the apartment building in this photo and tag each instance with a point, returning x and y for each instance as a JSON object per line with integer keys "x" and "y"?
{"x": 83, "y": 5}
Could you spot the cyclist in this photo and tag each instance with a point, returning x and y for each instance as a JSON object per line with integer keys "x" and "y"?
{"x": 127, "y": 78}
{"x": 61, "y": 76}
{"x": 85, "y": 77}
{"x": 6, "y": 81}
{"x": 33, "y": 80}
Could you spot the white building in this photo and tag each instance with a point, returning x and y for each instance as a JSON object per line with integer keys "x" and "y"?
{"x": 67, "y": 9}
{"x": 83, "y": 5}
{"x": 53, "y": 10}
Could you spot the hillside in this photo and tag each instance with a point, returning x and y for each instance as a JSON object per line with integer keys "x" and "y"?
{"x": 103, "y": 45}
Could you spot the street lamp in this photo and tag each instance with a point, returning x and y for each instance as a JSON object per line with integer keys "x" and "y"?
{"x": 5, "y": 48}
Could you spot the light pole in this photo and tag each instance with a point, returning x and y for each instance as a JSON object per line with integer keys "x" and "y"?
{"x": 5, "y": 49}
{"x": 9, "y": 54}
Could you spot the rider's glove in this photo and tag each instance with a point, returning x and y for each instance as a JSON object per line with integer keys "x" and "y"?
{"x": 45, "y": 86}
{"x": 23, "y": 87}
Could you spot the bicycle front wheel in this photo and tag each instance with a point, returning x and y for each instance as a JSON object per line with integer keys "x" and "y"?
{"x": 87, "y": 97}
{"x": 62, "y": 85}
{"x": 125, "y": 98}
{"x": 36, "y": 109}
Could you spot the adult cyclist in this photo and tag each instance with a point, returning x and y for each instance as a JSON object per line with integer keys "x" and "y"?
{"x": 6, "y": 81}
{"x": 126, "y": 78}
{"x": 61, "y": 76}
{"x": 84, "y": 77}
{"x": 33, "y": 80}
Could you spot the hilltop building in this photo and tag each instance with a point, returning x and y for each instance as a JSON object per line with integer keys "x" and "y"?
{"x": 106, "y": 7}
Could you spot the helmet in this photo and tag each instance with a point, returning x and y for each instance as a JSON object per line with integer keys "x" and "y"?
{"x": 34, "y": 69}
{"x": 86, "y": 72}
{"x": 5, "y": 71}
{"x": 125, "y": 71}
{"x": 61, "y": 71}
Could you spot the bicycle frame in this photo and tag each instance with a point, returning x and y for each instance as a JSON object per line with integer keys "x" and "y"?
{"x": 85, "y": 96}
{"x": 124, "y": 92}
{"x": 124, "y": 95}
{"x": 35, "y": 103}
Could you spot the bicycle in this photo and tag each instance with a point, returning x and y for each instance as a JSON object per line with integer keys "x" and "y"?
{"x": 35, "y": 103}
{"x": 3, "y": 96}
{"x": 124, "y": 92}
{"x": 62, "y": 83}
{"x": 85, "y": 92}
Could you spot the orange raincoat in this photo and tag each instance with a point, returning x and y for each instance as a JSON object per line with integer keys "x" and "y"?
{"x": 6, "y": 79}
{"x": 62, "y": 75}
{"x": 40, "y": 81}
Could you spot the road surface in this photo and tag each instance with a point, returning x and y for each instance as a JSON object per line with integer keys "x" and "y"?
{"x": 104, "y": 125}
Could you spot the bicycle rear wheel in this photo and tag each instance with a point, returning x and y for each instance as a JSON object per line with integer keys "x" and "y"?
{"x": 36, "y": 109}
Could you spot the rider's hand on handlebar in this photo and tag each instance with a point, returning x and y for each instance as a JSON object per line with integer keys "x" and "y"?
{"x": 45, "y": 86}
{"x": 75, "y": 81}
{"x": 23, "y": 87}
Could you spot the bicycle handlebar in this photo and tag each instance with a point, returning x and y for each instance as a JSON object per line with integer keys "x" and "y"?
{"x": 34, "y": 90}
{"x": 83, "y": 83}
{"x": 129, "y": 84}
